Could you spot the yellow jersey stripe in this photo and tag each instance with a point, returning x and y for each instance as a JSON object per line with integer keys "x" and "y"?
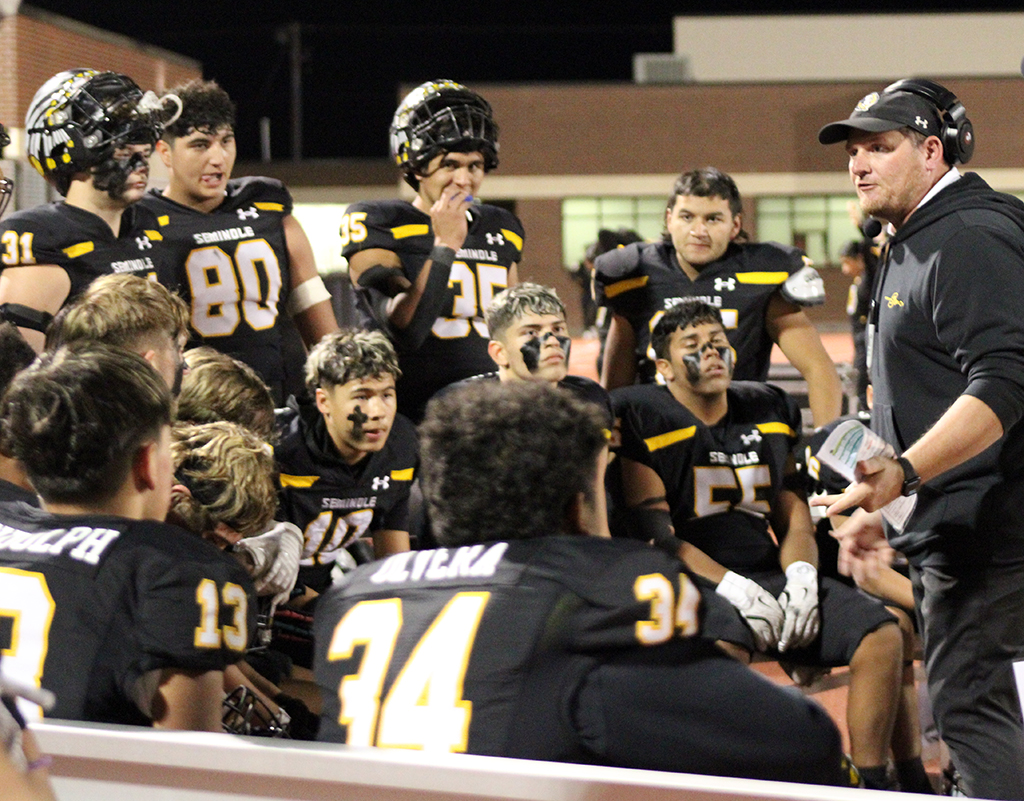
{"x": 619, "y": 287}
{"x": 671, "y": 438}
{"x": 513, "y": 237}
{"x": 762, "y": 278}
{"x": 302, "y": 482}
{"x": 264, "y": 206}
{"x": 74, "y": 251}
{"x": 776, "y": 428}
{"x": 156, "y": 236}
{"x": 403, "y": 475}
{"x": 414, "y": 229}
{"x": 164, "y": 219}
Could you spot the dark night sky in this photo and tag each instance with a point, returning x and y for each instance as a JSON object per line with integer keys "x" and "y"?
{"x": 356, "y": 55}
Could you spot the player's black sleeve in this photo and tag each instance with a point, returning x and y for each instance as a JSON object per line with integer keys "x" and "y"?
{"x": 687, "y": 707}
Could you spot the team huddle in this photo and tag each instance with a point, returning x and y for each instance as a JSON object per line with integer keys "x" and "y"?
{"x": 430, "y": 535}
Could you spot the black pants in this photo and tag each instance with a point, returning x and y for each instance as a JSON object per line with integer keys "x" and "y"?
{"x": 972, "y": 624}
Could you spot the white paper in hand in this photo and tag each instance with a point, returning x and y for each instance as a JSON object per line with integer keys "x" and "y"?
{"x": 853, "y": 442}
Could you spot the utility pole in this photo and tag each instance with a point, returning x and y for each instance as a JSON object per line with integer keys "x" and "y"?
{"x": 295, "y": 53}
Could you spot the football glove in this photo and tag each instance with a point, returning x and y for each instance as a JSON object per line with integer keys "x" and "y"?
{"x": 799, "y": 601}
{"x": 759, "y": 609}
{"x": 275, "y": 556}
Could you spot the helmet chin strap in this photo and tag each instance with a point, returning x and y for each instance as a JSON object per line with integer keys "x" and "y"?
{"x": 111, "y": 175}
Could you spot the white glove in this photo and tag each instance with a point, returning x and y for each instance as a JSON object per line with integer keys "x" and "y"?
{"x": 800, "y": 604}
{"x": 10, "y": 739}
{"x": 275, "y": 556}
{"x": 759, "y": 608}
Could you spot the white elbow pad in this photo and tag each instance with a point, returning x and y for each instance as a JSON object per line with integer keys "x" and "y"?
{"x": 308, "y": 293}
{"x": 804, "y": 288}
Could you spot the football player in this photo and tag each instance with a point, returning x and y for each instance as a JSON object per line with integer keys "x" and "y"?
{"x": 6, "y": 184}
{"x": 125, "y": 618}
{"x": 90, "y": 135}
{"x": 530, "y": 342}
{"x": 347, "y": 460}
{"x": 759, "y": 289}
{"x": 427, "y": 270}
{"x": 15, "y": 355}
{"x": 530, "y": 635}
{"x": 238, "y": 252}
{"x": 709, "y": 461}
{"x": 132, "y": 313}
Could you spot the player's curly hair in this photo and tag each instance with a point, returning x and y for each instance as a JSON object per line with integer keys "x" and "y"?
{"x": 506, "y": 461}
{"x": 229, "y": 472}
{"x": 512, "y": 303}
{"x": 218, "y": 387}
{"x": 690, "y": 311}
{"x": 347, "y": 355}
{"x": 122, "y": 310}
{"x": 205, "y": 107}
{"x": 77, "y": 417}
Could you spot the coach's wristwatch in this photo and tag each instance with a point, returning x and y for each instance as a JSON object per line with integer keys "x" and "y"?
{"x": 911, "y": 480}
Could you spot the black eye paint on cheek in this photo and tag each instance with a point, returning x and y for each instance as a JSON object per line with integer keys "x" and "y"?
{"x": 691, "y": 361}
{"x": 531, "y": 354}
{"x": 566, "y": 344}
{"x": 358, "y": 419}
{"x": 728, "y": 356}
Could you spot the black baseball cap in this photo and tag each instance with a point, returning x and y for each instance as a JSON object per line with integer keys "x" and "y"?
{"x": 886, "y": 112}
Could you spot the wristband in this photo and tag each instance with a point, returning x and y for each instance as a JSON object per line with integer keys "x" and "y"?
{"x": 911, "y": 480}
{"x": 443, "y": 255}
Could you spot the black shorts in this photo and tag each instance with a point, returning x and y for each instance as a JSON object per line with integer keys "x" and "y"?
{"x": 847, "y": 616}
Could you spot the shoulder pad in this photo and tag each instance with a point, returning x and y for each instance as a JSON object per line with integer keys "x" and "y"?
{"x": 257, "y": 190}
{"x": 804, "y": 287}
{"x": 617, "y": 264}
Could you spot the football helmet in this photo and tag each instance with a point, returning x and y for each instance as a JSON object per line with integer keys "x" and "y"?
{"x": 6, "y": 184}
{"x": 79, "y": 118}
{"x": 442, "y": 116}
{"x": 242, "y": 712}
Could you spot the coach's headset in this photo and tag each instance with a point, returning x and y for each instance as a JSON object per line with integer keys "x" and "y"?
{"x": 957, "y": 134}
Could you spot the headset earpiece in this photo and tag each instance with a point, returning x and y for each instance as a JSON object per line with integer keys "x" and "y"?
{"x": 957, "y": 133}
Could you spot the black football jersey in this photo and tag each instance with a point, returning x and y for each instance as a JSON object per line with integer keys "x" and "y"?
{"x": 641, "y": 281}
{"x": 334, "y": 503}
{"x": 482, "y": 648}
{"x": 456, "y": 347}
{"x": 81, "y": 243}
{"x": 91, "y": 604}
{"x": 720, "y": 481}
{"x": 232, "y": 268}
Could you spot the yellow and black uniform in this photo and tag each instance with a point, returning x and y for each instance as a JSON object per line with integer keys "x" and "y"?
{"x": 640, "y": 282}
{"x": 456, "y": 346}
{"x": 563, "y": 648}
{"x": 721, "y": 482}
{"x": 332, "y": 502}
{"x": 232, "y": 268}
{"x": 91, "y": 604}
{"x": 81, "y": 243}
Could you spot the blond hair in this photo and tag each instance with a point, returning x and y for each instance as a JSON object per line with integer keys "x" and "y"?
{"x": 120, "y": 310}
{"x": 349, "y": 354}
{"x": 229, "y": 472}
{"x": 218, "y": 387}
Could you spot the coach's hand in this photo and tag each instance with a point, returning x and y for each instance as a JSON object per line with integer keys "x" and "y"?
{"x": 799, "y": 601}
{"x": 759, "y": 608}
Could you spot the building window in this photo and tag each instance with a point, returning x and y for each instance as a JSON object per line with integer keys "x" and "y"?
{"x": 583, "y": 217}
{"x": 819, "y": 225}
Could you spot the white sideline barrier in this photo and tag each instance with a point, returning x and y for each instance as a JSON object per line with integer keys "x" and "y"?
{"x": 115, "y": 763}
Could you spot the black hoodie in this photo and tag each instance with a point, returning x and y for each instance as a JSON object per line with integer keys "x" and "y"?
{"x": 949, "y": 314}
